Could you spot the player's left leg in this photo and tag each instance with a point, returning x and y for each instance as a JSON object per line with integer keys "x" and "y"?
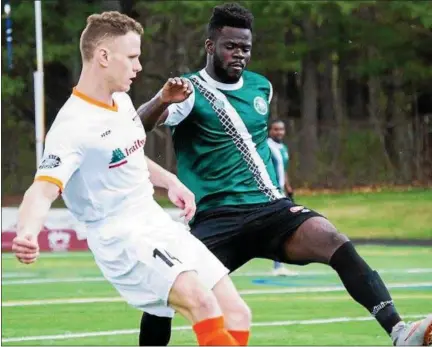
{"x": 297, "y": 235}
{"x": 317, "y": 240}
{"x": 236, "y": 312}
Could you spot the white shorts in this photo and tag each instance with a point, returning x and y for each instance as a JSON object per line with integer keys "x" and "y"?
{"x": 142, "y": 254}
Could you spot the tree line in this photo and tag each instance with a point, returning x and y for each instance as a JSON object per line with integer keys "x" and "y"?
{"x": 351, "y": 79}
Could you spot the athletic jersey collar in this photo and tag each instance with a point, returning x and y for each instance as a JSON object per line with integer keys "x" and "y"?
{"x": 94, "y": 102}
{"x": 220, "y": 85}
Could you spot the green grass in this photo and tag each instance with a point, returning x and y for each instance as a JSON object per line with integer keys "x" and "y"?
{"x": 386, "y": 214}
{"x": 393, "y": 262}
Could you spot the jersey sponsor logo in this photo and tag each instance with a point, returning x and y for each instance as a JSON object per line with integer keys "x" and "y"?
{"x": 260, "y": 105}
{"x": 50, "y": 162}
{"x": 119, "y": 157}
{"x": 136, "y": 146}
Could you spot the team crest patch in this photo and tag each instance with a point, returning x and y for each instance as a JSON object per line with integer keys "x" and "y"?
{"x": 260, "y": 105}
{"x": 50, "y": 162}
{"x": 295, "y": 209}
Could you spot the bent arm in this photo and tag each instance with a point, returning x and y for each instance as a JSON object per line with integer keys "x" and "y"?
{"x": 153, "y": 112}
{"x": 34, "y": 208}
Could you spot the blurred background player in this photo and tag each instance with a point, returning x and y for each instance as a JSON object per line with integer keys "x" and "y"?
{"x": 94, "y": 157}
{"x": 280, "y": 158}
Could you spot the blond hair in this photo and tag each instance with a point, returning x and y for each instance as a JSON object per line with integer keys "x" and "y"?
{"x": 105, "y": 25}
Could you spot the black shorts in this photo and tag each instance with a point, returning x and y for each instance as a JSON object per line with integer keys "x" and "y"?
{"x": 237, "y": 234}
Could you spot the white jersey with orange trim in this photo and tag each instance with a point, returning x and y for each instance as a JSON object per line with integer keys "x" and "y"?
{"x": 94, "y": 153}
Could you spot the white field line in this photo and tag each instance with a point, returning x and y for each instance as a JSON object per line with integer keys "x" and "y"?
{"x": 18, "y": 274}
{"x": 242, "y": 292}
{"x": 235, "y": 274}
{"x": 258, "y": 324}
{"x": 52, "y": 280}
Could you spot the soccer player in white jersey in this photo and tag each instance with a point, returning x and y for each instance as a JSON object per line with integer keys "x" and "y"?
{"x": 94, "y": 157}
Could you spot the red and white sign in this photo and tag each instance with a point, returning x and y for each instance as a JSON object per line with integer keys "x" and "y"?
{"x": 61, "y": 240}
{"x": 61, "y": 232}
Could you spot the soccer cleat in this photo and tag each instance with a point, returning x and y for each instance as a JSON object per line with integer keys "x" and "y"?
{"x": 283, "y": 271}
{"x": 413, "y": 333}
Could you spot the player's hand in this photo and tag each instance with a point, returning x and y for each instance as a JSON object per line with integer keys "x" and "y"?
{"x": 176, "y": 90}
{"x": 183, "y": 198}
{"x": 26, "y": 248}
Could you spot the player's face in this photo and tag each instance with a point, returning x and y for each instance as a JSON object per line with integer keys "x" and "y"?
{"x": 277, "y": 131}
{"x": 231, "y": 53}
{"x": 123, "y": 61}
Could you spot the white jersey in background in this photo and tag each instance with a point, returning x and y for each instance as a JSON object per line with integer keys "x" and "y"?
{"x": 95, "y": 154}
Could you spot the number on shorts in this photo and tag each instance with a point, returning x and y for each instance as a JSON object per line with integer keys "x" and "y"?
{"x": 158, "y": 253}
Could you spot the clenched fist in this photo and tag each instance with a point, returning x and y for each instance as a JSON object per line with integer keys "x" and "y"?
{"x": 26, "y": 248}
{"x": 176, "y": 90}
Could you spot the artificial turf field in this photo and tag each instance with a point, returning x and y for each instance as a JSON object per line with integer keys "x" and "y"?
{"x": 63, "y": 300}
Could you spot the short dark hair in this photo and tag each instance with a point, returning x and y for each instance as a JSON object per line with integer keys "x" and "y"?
{"x": 105, "y": 25}
{"x": 231, "y": 15}
{"x": 274, "y": 121}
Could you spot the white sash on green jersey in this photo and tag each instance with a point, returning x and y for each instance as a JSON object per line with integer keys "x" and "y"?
{"x": 236, "y": 129}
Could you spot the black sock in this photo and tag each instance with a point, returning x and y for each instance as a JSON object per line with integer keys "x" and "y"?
{"x": 365, "y": 285}
{"x": 154, "y": 330}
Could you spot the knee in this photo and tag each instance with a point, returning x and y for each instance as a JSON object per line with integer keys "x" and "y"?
{"x": 204, "y": 302}
{"x": 192, "y": 299}
{"x": 333, "y": 237}
{"x": 239, "y": 315}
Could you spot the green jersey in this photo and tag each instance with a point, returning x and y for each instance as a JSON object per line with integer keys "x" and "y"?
{"x": 280, "y": 158}
{"x": 220, "y": 140}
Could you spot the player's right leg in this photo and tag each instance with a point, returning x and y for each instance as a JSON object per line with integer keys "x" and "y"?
{"x": 153, "y": 264}
{"x": 204, "y": 295}
{"x": 220, "y": 230}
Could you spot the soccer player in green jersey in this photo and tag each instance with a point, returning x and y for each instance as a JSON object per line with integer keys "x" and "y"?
{"x": 280, "y": 158}
{"x": 219, "y": 130}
